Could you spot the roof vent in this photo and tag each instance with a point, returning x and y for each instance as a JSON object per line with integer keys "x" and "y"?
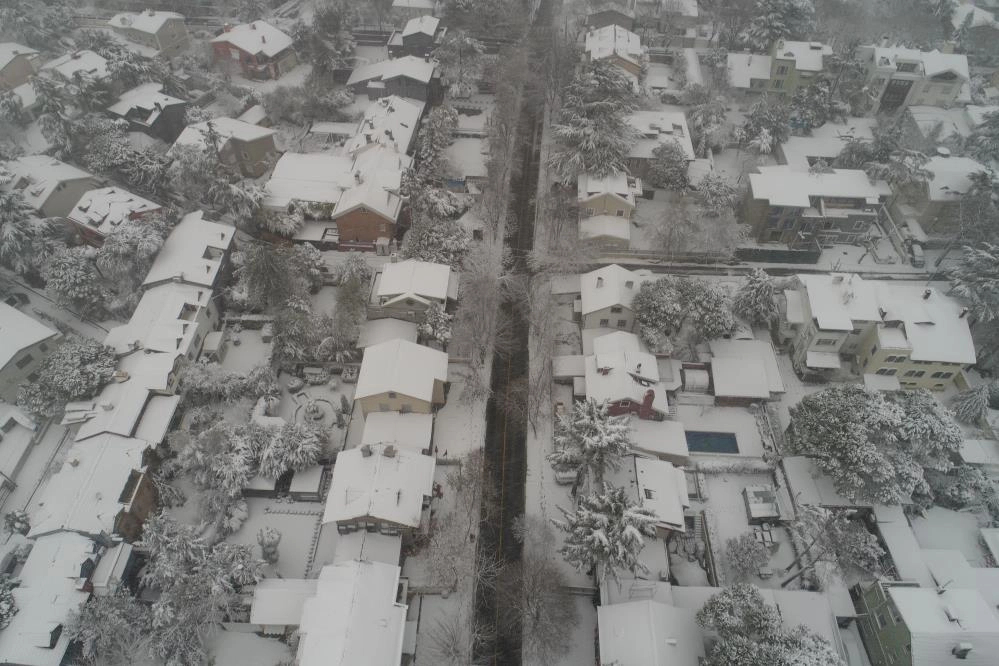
{"x": 962, "y": 650}
{"x": 951, "y": 613}
{"x": 389, "y": 451}
{"x": 366, "y": 450}
{"x": 253, "y": 26}
{"x": 927, "y": 294}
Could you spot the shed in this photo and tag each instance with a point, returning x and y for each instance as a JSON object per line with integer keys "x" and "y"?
{"x": 306, "y": 484}
{"x": 739, "y": 381}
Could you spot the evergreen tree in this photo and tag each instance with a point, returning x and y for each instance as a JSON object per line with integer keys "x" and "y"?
{"x": 606, "y": 532}
{"x": 835, "y": 538}
{"x": 17, "y": 232}
{"x": 970, "y": 406}
{"x": 459, "y": 56}
{"x": 8, "y": 605}
{"x": 436, "y": 324}
{"x": 756, "y": 301}
{"x": 113, "y": 629}
{"x": 976, "y": 279}
{"x": 668, "y": 167}
{"x": 76, "y": 370}
{"x": 745, "y": 555}
{"x": 588, "y": 439}
{"x": 444, "y": 241}
{"x": 775, "y": 20}
{"x": 295, "y": 447}
{"x": 983, "y": 143}
{"x": 715, "y": 195}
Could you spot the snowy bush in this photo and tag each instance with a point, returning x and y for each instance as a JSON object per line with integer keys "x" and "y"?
{"x": 77, "y": 369}
{"x": 8, "y": 605}
{"x": 756, "y": 299}
{"x": 745, "y": 555}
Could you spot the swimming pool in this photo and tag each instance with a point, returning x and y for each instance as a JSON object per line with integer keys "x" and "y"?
{"x": 711, "y": 442}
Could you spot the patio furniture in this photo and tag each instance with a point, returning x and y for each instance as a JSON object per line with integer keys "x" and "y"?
{"x": 349, "y": 375}
{"x": 765, "y": 573}
{"x": 295, "y": 384}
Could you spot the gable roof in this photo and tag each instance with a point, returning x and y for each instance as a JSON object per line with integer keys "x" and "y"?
{"x": 379, "y": 482}
{"x": 743, "y": 68}
{"x": 78, "y": 62}
{"x": 256, "y": 37}
{"x": 410, "y": 278}
{"x": 227, "y": 128}
{"x": 11, "y": 50}
{"x": 620, "y": 369}
{"x": 149, "y": 21}
{"x": 311, "y": 177}
{"x": 147, "y": 99}
{"x": 425, "y": 24}
{"x": 38, "y": 176}
{"x": 783, "y": 185}
{"x": 662, "y": 488}
{"x": 926, "y": 613}
{"x": 183, "y": 255}
{"x": 807, "y": 56}
{"x": 617, "y": 184}
{"x": 401, "y": 367}
{"x": 418, "y": 69}
{"x": 613, "y": 40}
{"x": 18, "y": 331}
{"x": 106, "y": 208}
{"x": 390, "y": 121}
{"x": 648, "y": 633}
{"x": 609, "y": 286}
{"x": 934, "y": 62}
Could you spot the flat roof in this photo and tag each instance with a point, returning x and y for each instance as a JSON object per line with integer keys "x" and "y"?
{"x": 18, "y": 332}
{"x": 784, "y": 185}
{"x": 648, "y": 633}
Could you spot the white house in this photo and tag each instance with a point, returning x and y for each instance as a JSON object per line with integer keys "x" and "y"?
{"x": 77, "y": 64}
{"x": 400, "y": 376}
{"x": 24, "y": 344}
{"x": 411, "y": 286}
{"x": 606, "y": 295}
{"x": 101, "y": 211}
{"x": 164, "y": 32}
{"x": 196, "y": 253}
{"x": 898, "y": 77}
{"x": 172, "y": 318}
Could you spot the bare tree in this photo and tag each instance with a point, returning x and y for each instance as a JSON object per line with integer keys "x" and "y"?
{"x": 454, "y": 638}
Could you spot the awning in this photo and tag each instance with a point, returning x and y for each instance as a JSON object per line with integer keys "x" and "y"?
{"x": 822, "y": 360}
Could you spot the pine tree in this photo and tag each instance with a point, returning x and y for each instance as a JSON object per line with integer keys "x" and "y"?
{"x": 76, "y": 370}
{"x": 715, "y": 194}
{"x": 436, "y": 324}
{"x": 460, "y": 59}
{"x": 739, "y": 610}
{"x": 970, "y": 406}
{"x": 590, "y": 440}
{"x": 606, "y": 532}
{"x": 295, "y": 447}
{"x": 745, "y": 555}
{"x": 775, "y": 20}
{"x": 983, "y": 143}
{"x": 16, "y": 232}
{"x": 440, "y": 241}
{"x": 668, "y": 167}
{"x": 112, "y": 629}
{"x": 756, "y": 301}
{"x": 268, "y": 538}
{"x": 976, "y": 279}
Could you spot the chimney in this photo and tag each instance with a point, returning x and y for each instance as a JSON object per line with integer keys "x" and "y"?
{"x": 389, "y": 451}
{"x": 638, "y": 369}
{"x": 263, "y": 39}
{"x": 600, "y": 282}
{"x": 646, "y": 411}
{"x": 366, "y": 450}
{"x": 253, "y": 26}
{"x": 358, "y": 178}
{"x": 151, "y": 11}
{"x": 964, "y": 311}
{"x": 226, "y": 27}
{"x": 926, "y": 294}
{"x": 962, "y": 650}
{"x": 883, "y": 313}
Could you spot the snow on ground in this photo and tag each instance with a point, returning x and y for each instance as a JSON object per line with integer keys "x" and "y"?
{"x": 189, "y": 513}
{"x": 952, "y": 530}
{"x": 44, "y": 310}
{"x": 293, "y": 79}
{"x": 795, "y": 389}
{"x": 365, "y": 55}
{"x": 430, "y": 611}
{"x": 248, "y": 354}
{"x": 44, "y": 458}
{"x": 234, "y": 648}
{"x": 738, "y": 420}
{"x": 298, "y": 523}
{"x": 581, "y": 644}
{"x": 324, "y": 301}
{"x": 459, "y": 426}
{"x": 467, "y": 517}
{"x": 736, "y": 165}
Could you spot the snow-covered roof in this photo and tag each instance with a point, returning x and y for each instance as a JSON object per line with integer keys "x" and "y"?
{"x": 927, "y": 614}
{"x": 980, "y": 452}
{"x": 369, "y": 546}
{"x": 605, "y": 226}
{"x": 950, "y": 568}
{"x": 379, "y": 482}
{"x": 106, "y": 208}
{"x": 989, "y": 537}
{"x": 279, "y": 601}
{"x": 933, "y": 62}
{"x": 420, "y": 280}
{"x": 50, "y": 590}
{"x": 827, "y": 142}
{"x": 658, "y": 127}
{"x": 390, "y": 121}
{"x": 85, "y": 494}
{"x": 838, "y": 300}
{"x": 411, "y": 432}
{"x": 84, "y": 63}
{"x": 18, "y": 434}
{"x": 762, "y": 350}
{"x": 428, "y": 5}
{"x": 149, "y": 21}
{"x": 376, "y": 331}
{"x": 26, "y": 93}
{"x": 740, "y": 377}
{"x": 952, "y": 122}
{"x": 807, "y": 56}
{"x": 130, "y": 409}
{"x": 979, "y": 17}
{"x": 662, "y": 488}
{"x": 607, "y": 287}
{"x": 951, "y": 176}
{"x": 192, "y": 252}
{"x": 354, "y": 617}
{"x": 619, "y": 369}
{"x": 744, "y": 67}
{"x": 256, "y": 37}
{"x": 933, "y": 325}
{"x": 810, "y": 485}
{"x": 400, "y": 367}
{"x": 18, "y": 331}
{"x": 144, "y": 102}
{"x": 612, "y": 40}
{"x": 903, "y": 548}
{"x": 37, "y": 177}
{"x": 227, "y": 128}
{"x": 467, "y": 157}
{"x": 659, "y": 438}
{"x": 311, "y": 177}
{"x": 373, "y": 194}
{"x": 617, "y": 184}
{"x": 648, "y": 633}
{"x": 418, "y": 69}
{"x": 11, "y": 50}
{"x": 783, "y": 185}
{"x": 976, "y": 113}
{"x": 426, "y": 25}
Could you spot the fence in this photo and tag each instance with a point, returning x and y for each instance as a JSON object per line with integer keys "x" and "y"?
{"x": 809, "y": 255}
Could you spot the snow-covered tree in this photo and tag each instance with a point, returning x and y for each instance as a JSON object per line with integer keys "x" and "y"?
{"x": 17, "y": 231}
{"x": 205, "y": 383}
{"x": 756, "y": 299}
{"x": 814, "y": 105}
{"x": 739, "y": 610}
{"x": 460, "y": 58}
{"x": 745, "y": 555}
{"x": 287, "y": 222}
{"x": 983, "y": 143}
{"x": 268, "y": 538}
{"x": 606, "y": 532}
{"x": 239, "y": 199}
{"x": 130, "y": 248}
{"x": 663, "y": 306}
{"x": 8, "y": 605}
{"x": 295, "y": 447}
{"x": 326, "y": 42}
{"x": 708, "y": 307}
{"x": 835, "y": 538}
{"x": 770, "y": 115}
{"x": 904, "y": 170}
{"x": 976, "y": 279}
{"x": 77, "y": 369}
{"x": 436, "y": 324}
{"x": 970, "y": 406}
{"x": 36, "y": 24}
{"x": 437, "y": 241}
{"x": 354, "y": 269}
{"x": 762, "y": 143}
{"x": 715, "y": 194}
{"x": 590, "y": 440}
{"x": 17, "y": 522}
{"x": 775, "y": 20}
{"x": 668, "y": 167}
{"x": 658, "y": 306}
{"x": 72, "y": 280}
{"x": 113, "y": 629}
{"x": 272, "y": 276}
{"x": 192, "y": 172}
{"x": 875, "y": 446}
{"x": 706, "y": 119}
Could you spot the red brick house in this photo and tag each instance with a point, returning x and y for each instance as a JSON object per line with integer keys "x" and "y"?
{"x": 261, "y": 50}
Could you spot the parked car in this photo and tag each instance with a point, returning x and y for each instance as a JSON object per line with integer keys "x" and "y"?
{"x": 16, "y": 300}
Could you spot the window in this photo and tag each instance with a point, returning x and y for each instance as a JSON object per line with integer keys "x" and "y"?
{"x": 825, "y": 342}
{"x": 622, "y": 323}
{"x": 24, "y": 361}
{"x": 8, "y": 425}
{"x": 234, "y": 54}
{"x": 391, "y": 395}
{"x": 914, "y": 373}
{"x": 616, "y": 309}
{"x": 859, "y": 225}
{"x": 942, "y": 375}
{"x": 589, "y": 212}
{"x": 894, "y": 359}
{"x": 778, "y": 84}
{"x": 630, "y": 284}
{"x": 650, "y": 494}
{"x": 782, "y": 70}
{"x": 887, "y": 372}
{"x": 625, "y": 403}
{"x": 605, "y": 322}
{"x": 620, "y": 213}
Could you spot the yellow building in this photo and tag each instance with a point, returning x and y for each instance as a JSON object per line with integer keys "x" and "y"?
{"x": 401, "y": 376}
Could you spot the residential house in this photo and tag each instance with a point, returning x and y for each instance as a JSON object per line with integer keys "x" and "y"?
{"x": 824, "y": 143}
{"x": 380, "y": 488}
{"x": 613, "y": 195}
{"x": 399, "y": 376}
{"x": 937, "y": 207}
{"x": 655, "y": 128}
{"x": 419, "y": 37}
{"x": 196, "y": 253}
{"x": 249, "y": 148}
{"x": 358, "y": 616}
{"x": 918, "y": 626}
{"x": 77, "y": 65}
{"x": 18, "y": 63}
{"x": 408, "y": 432}
{"x": 261, "y": 50}
{"x": 789, "y": 66}
{"x": 164, "y": 32}
{"x": 648, "y": 632}
{"x": 797, "y": 207}
{"x": 135, "y": 406}
{"x": 618, "y": 46}
{"x": 744, "y": 371}
{"x": 898, "y": 77}
{"x": 405, "y": 290}
{"x": 661, "y": 487}
{"x": 610, "y": 13}
{"x": 408, "y": 76}
{"x": 17, "y": 435}
{"x": 24, "y": 344}
{"x": 101, "y": 211}
{"x": 411, "y": 9}
{"x": 605, "y": 297}
{"x": 50, "y": 187}
{"x": 102, "y": 489}
{"x": 391, "y": 122}
{"x": 148, "y": 110}
{"x": 928, "y": 127}
{"x": 908, "y": 331}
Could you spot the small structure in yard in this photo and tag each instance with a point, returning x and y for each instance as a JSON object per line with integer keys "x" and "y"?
{"x": 662, "y": 488}
{"x": 648, "y": 632}
{"x": 739, "y": 382}
{"x": 399, "y": 376}
{"x": 409, "y": 432}
{"x": 101, "y": 211}
{"x": 466, "y": 158}
{"x": 379, "y": 487}
{"x": 259, "y": 49}
{"x": 419, "y": 37}
{"x": 762, "y": 505}
{"x": 356, "y": 617}
{"x": 278, "y": 602}
{"x": 611, "y": 13}
{"x": 606, "y": 232}
{"x": 751, "y": 350}
{"x": 404, "y": 290}
{"x": 662, "y": 440}
{"x": 244, "y": 146}
{"x": 196, "y": 253}
{"x": 149, "y": 110}
{"x": 163, "y": 31}
{"x": 24, "y": 344}
{"x": 50, "y": 187}
{"x": 18, "y": 64}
